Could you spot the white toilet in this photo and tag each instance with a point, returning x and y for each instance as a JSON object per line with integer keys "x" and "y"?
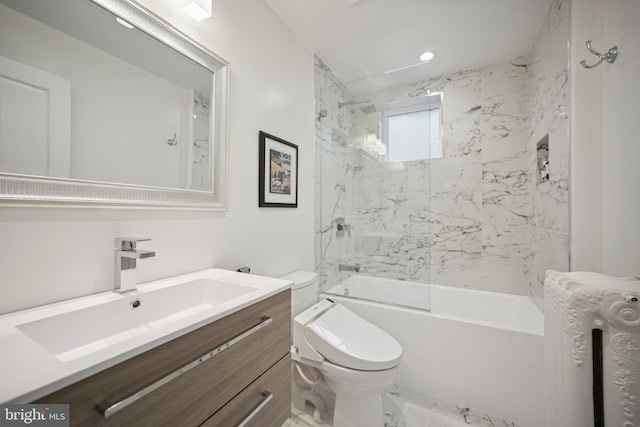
{"x": 356, "y": 358}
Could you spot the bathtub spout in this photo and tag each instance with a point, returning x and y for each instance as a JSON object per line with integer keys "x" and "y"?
{"x": 348, "y": 267}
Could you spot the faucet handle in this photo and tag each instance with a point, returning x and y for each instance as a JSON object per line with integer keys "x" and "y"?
{"x": 128, "y": 243}
{"x": 342, "y": 227}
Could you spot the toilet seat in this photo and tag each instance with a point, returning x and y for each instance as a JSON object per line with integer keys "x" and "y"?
{"x": 356, "y": 359}
{"x": 348, "y": 340}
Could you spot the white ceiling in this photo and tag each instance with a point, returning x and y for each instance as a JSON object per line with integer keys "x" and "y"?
{"x": 362, "y": 38}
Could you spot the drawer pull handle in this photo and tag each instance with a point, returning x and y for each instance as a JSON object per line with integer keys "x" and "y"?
{"x": 108, "y": 409}
{"x": 266, "y": 397}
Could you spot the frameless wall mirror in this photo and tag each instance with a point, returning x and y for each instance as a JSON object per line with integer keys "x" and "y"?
{"x": 102, "y": 103}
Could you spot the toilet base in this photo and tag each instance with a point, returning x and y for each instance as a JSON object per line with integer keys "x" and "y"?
{"x": 358, "y": 395}
{"x": 313, "y": 399}
{"x": 357, "y": 410}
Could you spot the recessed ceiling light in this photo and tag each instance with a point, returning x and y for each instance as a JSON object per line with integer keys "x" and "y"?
{"x": 427, "y": 56}
{"x": 198, "y": 10}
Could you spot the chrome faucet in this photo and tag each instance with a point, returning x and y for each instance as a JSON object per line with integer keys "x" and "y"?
{"x": 126, "y": 255}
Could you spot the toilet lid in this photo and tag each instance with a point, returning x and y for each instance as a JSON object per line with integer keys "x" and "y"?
{"x": 348, "y": 340}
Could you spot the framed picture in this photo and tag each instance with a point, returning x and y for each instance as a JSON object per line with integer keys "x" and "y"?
{"x": 278, "y": 170}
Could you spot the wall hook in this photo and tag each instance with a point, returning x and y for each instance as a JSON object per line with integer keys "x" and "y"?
{"x": 173, "y": 141}
{"x": 610, "y": 56}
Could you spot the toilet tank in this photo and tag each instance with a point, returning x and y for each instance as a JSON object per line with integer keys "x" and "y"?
{"x": 304, "y": 292}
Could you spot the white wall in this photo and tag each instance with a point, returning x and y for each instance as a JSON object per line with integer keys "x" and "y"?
{"x": 48, "y": 254}
{"x": 620, "y": 147}
{"x": 585, "y": 180}
{"x": 605, "y": 172}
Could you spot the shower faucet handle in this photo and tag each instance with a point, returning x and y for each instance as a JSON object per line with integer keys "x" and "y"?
{"x": 342, "y": 227}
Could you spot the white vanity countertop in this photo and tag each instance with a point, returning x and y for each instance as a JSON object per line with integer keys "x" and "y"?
{"x": 28, "y": 371}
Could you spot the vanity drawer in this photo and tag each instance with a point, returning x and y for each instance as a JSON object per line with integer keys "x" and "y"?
{"x": 268, "y": 399}
{"x": 191, "y": 397}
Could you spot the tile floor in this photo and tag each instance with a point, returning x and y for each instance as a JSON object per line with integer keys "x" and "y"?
{"x": 413, "y": 416}
{"x": 406, "y": 409}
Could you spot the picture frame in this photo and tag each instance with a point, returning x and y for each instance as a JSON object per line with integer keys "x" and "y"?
{"x": 278, "y": 172}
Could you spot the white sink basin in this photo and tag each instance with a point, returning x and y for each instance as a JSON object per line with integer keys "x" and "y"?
{"x": 78, "y": 333}
{"x": 49, "y": 347}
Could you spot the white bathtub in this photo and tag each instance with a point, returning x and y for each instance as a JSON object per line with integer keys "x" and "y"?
{"x": 482, "y": 350}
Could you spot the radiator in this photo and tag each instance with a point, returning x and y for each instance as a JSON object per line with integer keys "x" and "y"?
{"x": 592, "y": 350}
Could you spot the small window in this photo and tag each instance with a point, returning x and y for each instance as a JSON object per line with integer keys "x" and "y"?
{"x": 411, "y": 129}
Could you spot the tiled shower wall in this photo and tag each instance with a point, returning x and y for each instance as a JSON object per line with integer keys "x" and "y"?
{"x": 334, "y": 173}
{"x": 460, "y": 220}
{"x": 549, "y": 97}
{"x": 475, "y": 218}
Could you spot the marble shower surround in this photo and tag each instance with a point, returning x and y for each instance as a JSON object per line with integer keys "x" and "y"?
{"x": 333, "y": 173}
{"x": 460, "y": 220}
{"x": 549, "y": 97}
{"x": 477, "y": 217}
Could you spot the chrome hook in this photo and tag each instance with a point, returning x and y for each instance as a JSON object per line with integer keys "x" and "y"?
{"x": 173, "y": 141}
{"x": 610, "y": 56}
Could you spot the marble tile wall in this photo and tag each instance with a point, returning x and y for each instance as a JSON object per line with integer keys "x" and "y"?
{"x": 201, "y": 160}
{"x": 421, "y": 220}
{"x": 476, "y": 217}
{"x": 460, "y": 220}
{"x": 549, "y": 94}
{"x": 334, "y": 174}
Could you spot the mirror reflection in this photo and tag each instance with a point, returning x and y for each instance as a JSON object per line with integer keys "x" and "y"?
{"x": 86, "y": 96}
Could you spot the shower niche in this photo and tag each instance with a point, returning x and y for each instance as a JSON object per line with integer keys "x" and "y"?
{"x": 542, "y": 152}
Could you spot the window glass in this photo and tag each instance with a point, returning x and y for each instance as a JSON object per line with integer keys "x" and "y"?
{"x": 411, "y": 129}
{"x": 414, "y": 136}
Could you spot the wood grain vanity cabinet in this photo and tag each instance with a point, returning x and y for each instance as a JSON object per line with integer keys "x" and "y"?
{"x": 250, "y": 377}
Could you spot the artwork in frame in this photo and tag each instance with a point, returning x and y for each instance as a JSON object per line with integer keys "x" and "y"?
{"x": 278, "y": 171}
